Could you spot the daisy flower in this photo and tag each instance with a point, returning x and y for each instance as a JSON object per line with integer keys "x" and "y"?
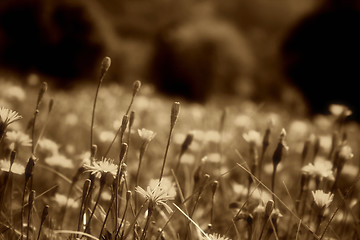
{"x": 338, "y": 110}
{"x": 346, "y": 152}
{"x": 146, "y": 135}
{"x": 59, "y": 160}
{"x": 321, "y": 168}
{"x": 8, "y": 116}
{"x": 62, "y": 200}
{"x": 322, "y": 199}
{"x": 159, "y": 192}
{"x": 105, "y": 165}
{"x": 215, "y": 236}
{"x": 18, "y": 138}
{"x": 253, "y": 137}
{"x": 15, "y": 168}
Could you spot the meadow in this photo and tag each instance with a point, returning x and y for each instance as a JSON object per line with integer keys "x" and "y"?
{"x": 124, "y": 162}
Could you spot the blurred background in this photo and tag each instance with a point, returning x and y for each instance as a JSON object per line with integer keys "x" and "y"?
{"x": 290, "y": 51}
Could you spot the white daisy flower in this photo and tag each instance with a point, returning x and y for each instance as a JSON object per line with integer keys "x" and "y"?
{"x": 159, "y": 192}
{"x": 322, "y": 199}
{"x": 105, "y": 165}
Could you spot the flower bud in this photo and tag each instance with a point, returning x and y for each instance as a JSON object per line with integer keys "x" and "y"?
{"x": 105, "y": 65}
{"x": 136, "y": 87}
{"x": 175, "y": 109}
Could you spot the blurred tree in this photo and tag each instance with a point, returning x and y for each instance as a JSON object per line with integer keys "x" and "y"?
{"x": 321, "y": 55}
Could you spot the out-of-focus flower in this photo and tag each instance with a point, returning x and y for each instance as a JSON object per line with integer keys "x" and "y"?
{"x": 215, "y": 236}
{"x": 244, "y": 121}
{"x": 325, "y": 142}
{"x": 212, "y": 136}
{"x": 339, "y": 110}
{"x": 105, "y": 165}
{"x": 256, "y": 194}
{"x": 346, "y": 153}
{"x": 106, "y": 136}
{"x": 14, "y": 92}
{"x": 71, "y": 119}
{"x": 59, "y": 160}
{"x": 322, "y": 199}
{"x": 15, "y": 168}
{"x": 298, "y": 130}
{"x": 159, "y": 192}
{"x": 18, "y": 138}
{"x": 49, "y": 146}
{"x": 188, "y": 158}
{"x": 146, "y": 135}
{"x": 321, "y": 168}
{"x": 213, "y": 158}
{"x": 253, "y": 137}
{"x": 61, "y": 200}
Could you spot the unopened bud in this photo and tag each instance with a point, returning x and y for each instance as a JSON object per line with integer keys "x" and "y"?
{"x": 12, "y": 157}
{"x": 132, "y": 119}
{"x": 51, "y": 105}
{"x": 188, "y": 140}
{"x": 43, "y": 89}
{"x": 105, "y": 65}
{"x": 86, "y": 188}
{"x": 124, "y": 123}
{"x": 123, "y": 151}
{"x": 214, "y": 187}
{"x": 45, "y": 212}
{"x": 136, "y": 87}
{"x": 93, "y": 151}
{"x": 175, "y": 109}
{"x": 29, "y": 169}
{"x": 128, "y": 195}
{"x": 269, "y": 208}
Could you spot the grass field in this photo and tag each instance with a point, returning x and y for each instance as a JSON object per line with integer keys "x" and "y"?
{"x": 124, "y": 162}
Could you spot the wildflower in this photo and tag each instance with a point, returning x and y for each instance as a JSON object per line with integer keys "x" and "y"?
{"x": 243, "y": 121}
{"x": 106, "y": 136}
{"x": 253, "y": 137}
{"x": 159, "y": 192}
{"x": 146, "y": 135}
{"x": 321, "y": 168}
{"x": 339, "y": 110}
{"x": 15, "y": 168}
{"x": 8, "y": 116}
{"x": 322, "y": 199}
{"x": 105, "y": 165}
{"x": 212, "y": 136}
{"x": 18, "y": 138}
{"x": 49, "y": 146}
{"x": 216, "y": 236}
{"x": 59, "y": 160}
{"x": 346, "y": 153}
{"x": 62, "y": 199}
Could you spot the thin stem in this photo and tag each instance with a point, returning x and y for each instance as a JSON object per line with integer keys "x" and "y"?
{"x": 150, "y": 211}
{"x": 166, "y": 152}
{"x": 123, "y": 218}
{"x": 22, "y": 211}
{"x": 94, "y": 208}
{"x": 107, "y": 213}
{"x": 93, "y": 111}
